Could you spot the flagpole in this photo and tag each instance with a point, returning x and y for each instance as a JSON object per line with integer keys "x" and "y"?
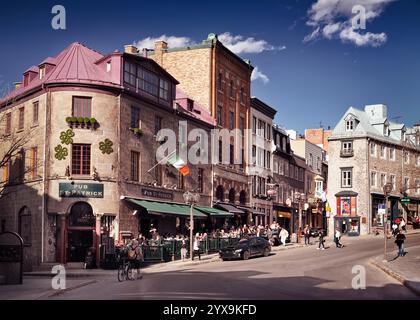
{"x": 170, "y": 154}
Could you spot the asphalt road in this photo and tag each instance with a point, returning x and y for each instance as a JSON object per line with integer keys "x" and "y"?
{"x": 303, "y": 273}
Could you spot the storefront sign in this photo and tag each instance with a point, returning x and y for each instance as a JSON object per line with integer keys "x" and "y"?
{"x": 81, "y": 190}
{"x": 157, "y": 194}
{"x": 412, "y": 207}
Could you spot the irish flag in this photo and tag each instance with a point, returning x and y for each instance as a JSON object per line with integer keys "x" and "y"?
{"x": 179, "y": 164}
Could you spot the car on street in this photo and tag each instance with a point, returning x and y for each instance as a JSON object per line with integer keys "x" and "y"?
{"x": 246, "y": 248}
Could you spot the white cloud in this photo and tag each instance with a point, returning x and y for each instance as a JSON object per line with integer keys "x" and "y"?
{"x": 236, "y": 43}
{"x": 334, "y": 18}
{"x": 239, "y": 44}
{"x": 258, "y": 75}
{"x": 172, "y": 41}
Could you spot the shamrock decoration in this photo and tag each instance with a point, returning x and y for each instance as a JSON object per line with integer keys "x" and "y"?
{"x": 66, "y": 136}
{"x": 106, "y": 146}
{"x": 60, "y": 152}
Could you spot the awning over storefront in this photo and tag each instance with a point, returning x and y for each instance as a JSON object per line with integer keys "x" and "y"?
{"x": 214, "y": 212}
{"x": 166, "y": 208}
{"x": 347, "y": 194}
{"x": 229, "y": 207}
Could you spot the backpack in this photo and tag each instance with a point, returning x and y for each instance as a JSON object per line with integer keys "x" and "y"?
{"x": 131, "y": 253}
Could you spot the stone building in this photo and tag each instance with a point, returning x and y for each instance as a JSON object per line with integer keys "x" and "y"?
{"x": 220, "y": 81}
{"x": 315, "y": 180}
{"x": 93, "y": 124}
{"x": 366, "y": 151}
{"x": 289, "y": 178}
{"x": 260, "y": 167}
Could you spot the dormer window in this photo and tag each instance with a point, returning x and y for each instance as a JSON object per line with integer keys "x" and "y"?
{"x": 350, "y": 125}
{"x": 386, "y": 130}
{"x": 190, "y": 104}
{"x": 108, "y": 66}
{"x": 26, "y": 80}
{"x": 41, "y": 72}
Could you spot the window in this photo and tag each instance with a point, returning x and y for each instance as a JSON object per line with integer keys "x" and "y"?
{"x": 346, "y": 177}
{"x": 190, "y": 105}
{"x": 406, "y": 157}
{"x": 6, "y": 172}
{"x": 284, "y": 144}
{"x": 350, "y": 125}
{"x": 275, "y": 166}
{"x": 220, "y": 151}
{"x": 35, "y": 113}
{"x": 268, "y": 166}
{"x": 347, "y": 147}
{"x": 254, "y": 155}
{"x": 383, "y": 152}
{"x": 8, "y": 124}
{"x": 148, "y": 81}
{"x": 268, "y": 131}
{"x": 383, "y": 179}
{"x": 25, "y": 226}
{"x": 200, "y": 180}
{"x": 311, "y": 160}
{"x": 417, "y": 186}
{"x": 286, "y": 169}
{"x": 406, "y": 183}
{"x": 82, "y": 107}
{"x": 135, "y": 161}
{"x": 392, "y": 154}
{"x": 158, "y": 124}
{"x": 135, "y": 117}
{"x": 254, "y": 185}
{"x": 254, "y": 125}
{"x": 34, "y": 162}
{"x": 219, "y": 115}
{"x": 130, "y": 73}
{"x": 242, "y": 95}
{"x": 319, "y": 186}
{"x": 220, "y": 82}
{"x": 261, "y": 128}
{"x": 164, "y": 90}
{"x": 393, "y": 182}
{"x": 41, "y": 73}
{"x": 20, "y": 161}
{"x": 181, "y": 181}
{"x": 373, "y": 149}
{"x": 373, "y": 179}
{"x": 318, "y": 163}
{"x": 21, "y": 118}
{"x": 232, "y": 92}
{"x": 242, "y": 124}
{"x": 108, "y": 66}
{"x": 231, "y": 154}
{"x": 231, "y": 120}
{"x": 80, "y": 162}
{"x": 26, "y": 79}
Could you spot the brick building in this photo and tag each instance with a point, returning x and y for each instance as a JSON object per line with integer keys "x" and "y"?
{"x": 93, "y": 124}
{"x": 319, "y": 137}
{"x": 366, "y": 151}
{"x": 220, "y": 81}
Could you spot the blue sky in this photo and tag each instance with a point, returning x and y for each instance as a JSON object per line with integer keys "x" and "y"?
{"x": 308, "y": 82}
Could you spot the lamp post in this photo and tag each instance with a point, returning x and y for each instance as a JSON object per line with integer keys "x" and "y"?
{"x": 387, "y": 190}
{"x": 300, "y": 198}
{"x": 191, "y": 198}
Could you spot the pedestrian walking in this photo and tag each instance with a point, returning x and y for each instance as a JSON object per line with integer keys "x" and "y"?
{"x": 196, "y": 246}
{"x": 183, "y": 250}
{"x": 283, "y": 236}
{"x": 321, "y": 240}
{"x": 337, "y": 239}
{"x": 307, "y": 235}
{"x": 138, "y": 257}
{"x": 394, "y": 229}
{"x": 400, "y": 243}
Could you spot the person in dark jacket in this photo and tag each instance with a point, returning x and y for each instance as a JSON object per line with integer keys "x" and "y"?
{"x": 321, "y": 239}
{"x": 400, "y": 243}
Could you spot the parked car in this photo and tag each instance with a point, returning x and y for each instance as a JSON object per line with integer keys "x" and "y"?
{"x": 246, "y": 248}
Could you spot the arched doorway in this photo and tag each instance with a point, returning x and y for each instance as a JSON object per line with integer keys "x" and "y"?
{"x": 220, "y": 193}
{"x": 80, "y": 231}
{"x": 232, "y": 195}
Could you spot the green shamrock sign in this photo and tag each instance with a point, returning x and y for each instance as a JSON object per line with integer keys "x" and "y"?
{"x": 66, "y": 137}
{"x": 60, "y": 152}
{"x": 106, "y": 146}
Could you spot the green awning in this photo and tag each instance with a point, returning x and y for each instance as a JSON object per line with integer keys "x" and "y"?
{"x": 167, "y": 208}
{"x": 215, "y": 212}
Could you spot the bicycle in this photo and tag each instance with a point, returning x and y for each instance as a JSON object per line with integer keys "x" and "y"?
{"x": 125, "y": 268}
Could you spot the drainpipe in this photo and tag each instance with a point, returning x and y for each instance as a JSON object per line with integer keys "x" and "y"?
{"x": 44, "y": 176}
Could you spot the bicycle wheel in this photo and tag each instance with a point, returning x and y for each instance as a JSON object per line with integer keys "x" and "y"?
{"x": 122, "y": 272}
{"x": 131, "y": 274}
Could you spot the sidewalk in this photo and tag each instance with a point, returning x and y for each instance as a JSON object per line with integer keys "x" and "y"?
{"x": 404, "y": 269}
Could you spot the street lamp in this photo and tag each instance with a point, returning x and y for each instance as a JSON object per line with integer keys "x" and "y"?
{"x": 191, "y": 199}
{"x": 300, "y": 198}
{"x": 387, "y": 191}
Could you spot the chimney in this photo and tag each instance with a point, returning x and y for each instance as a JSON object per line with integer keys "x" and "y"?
{"x": 160, "y": 46}
{"x": 17, "y": 85}
{"x": 130, "y": 49}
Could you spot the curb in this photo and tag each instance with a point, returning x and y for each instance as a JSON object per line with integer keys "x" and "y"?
{"x": 63, "y": 291}
{"x": 396, "y": 276}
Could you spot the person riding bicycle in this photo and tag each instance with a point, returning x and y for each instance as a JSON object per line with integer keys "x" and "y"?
{"x": 135, "y": 254}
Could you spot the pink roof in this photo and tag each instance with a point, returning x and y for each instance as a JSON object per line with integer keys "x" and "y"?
{"x": 75, "y": 64}
{"x": 199, "y": 112}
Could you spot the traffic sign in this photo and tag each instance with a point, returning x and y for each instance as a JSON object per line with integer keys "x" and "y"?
{"x": 405, "y": 200}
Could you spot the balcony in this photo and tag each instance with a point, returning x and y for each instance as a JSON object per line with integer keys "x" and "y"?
{"x": 346, "y": 153}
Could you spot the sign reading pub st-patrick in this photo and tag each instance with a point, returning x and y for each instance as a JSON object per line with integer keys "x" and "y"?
{"x": 81, "y": 190}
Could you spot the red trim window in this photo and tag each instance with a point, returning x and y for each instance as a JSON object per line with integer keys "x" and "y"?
{"x": 82, "y": 107}
{"x": 80, "y": 161}
{"x": 8, "y": 123}
{"x": 21, "y": 118}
